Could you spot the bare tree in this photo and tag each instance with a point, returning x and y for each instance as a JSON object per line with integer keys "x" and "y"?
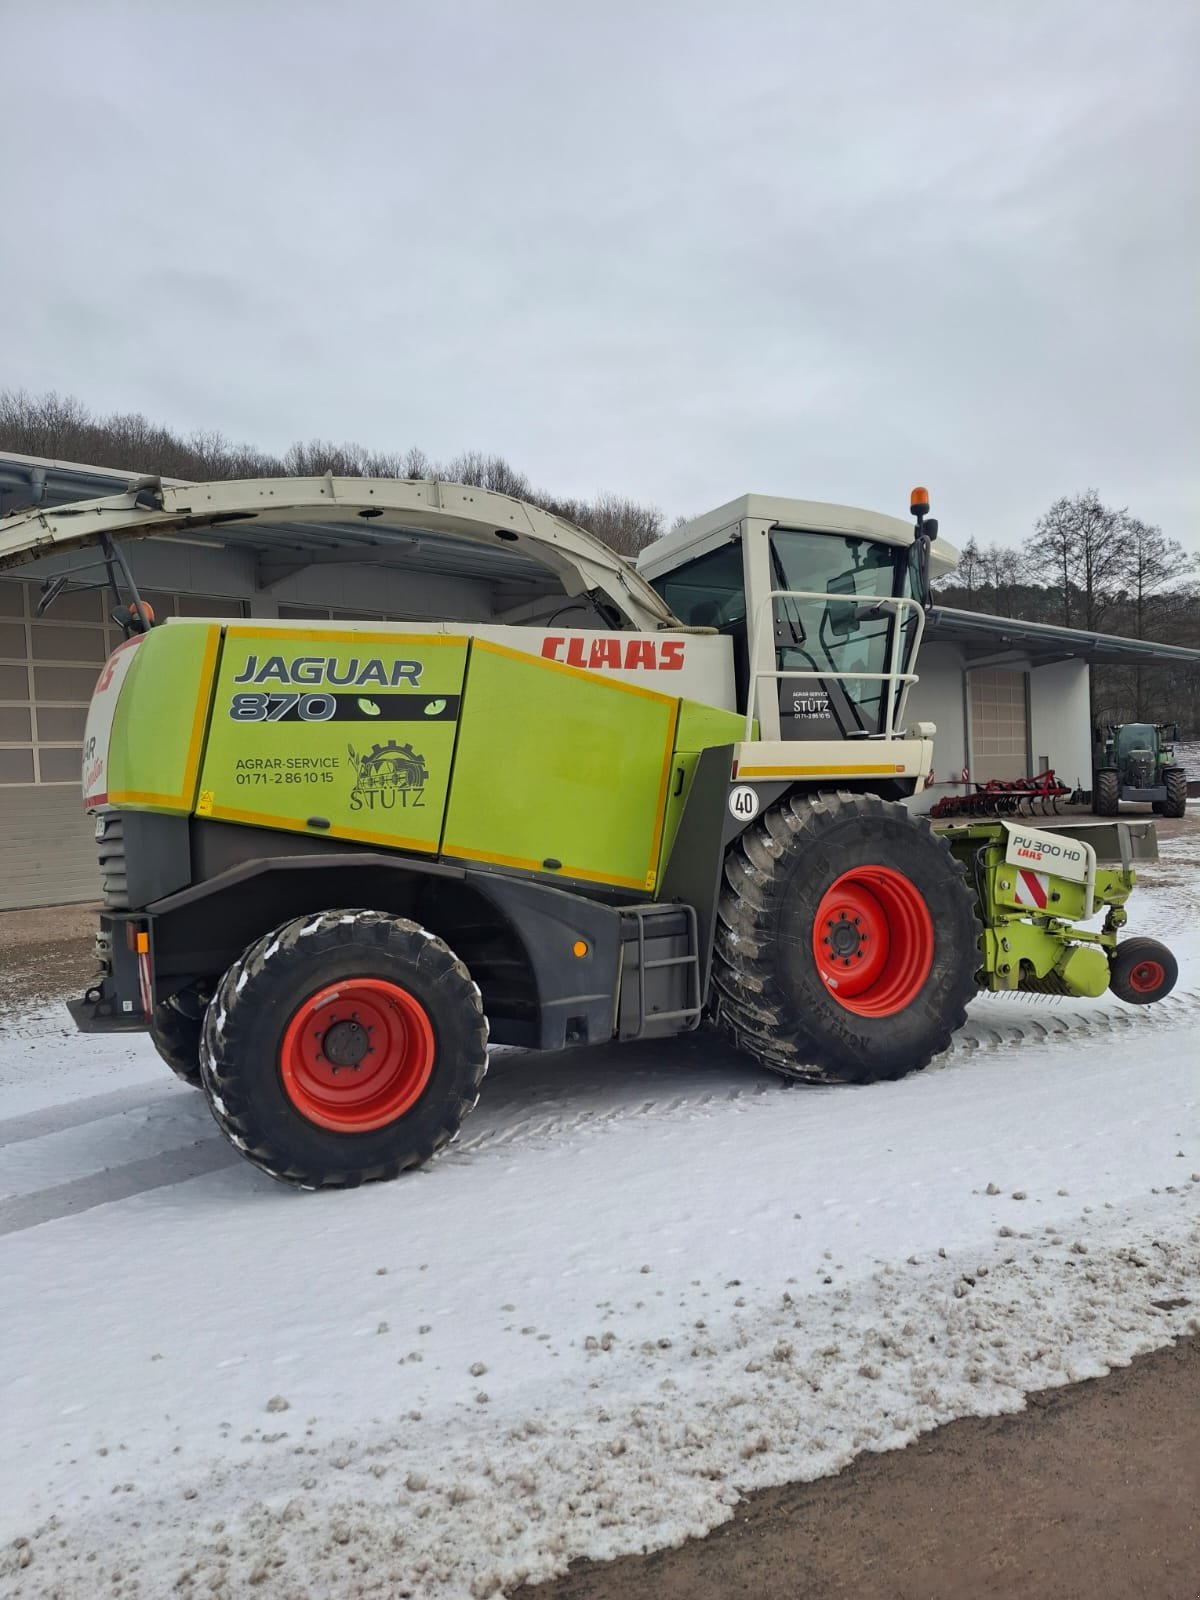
{"x": 623, "y": 524}
{"x": 1080, "y": 540}
{"x": 1150, "y": 564}
{"x": 969, "y": 571}
{"x": 416, "y": 464}
{"x": 1153, "y": 567}
{"x": 313, "y": 458}
{"x": 51, "y": 425}
{"x": 989, "y": 578}
{"x": 63, "y": 428}
{"x": 488, "y": 472}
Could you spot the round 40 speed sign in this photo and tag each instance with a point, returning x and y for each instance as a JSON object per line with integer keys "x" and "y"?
{"x": 743, "y": 802}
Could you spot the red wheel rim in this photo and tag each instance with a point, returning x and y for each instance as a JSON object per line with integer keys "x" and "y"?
{"x": 1147, "y": 976}
{"x": 873, "y": 941}
{"x": 357, "y": 1055}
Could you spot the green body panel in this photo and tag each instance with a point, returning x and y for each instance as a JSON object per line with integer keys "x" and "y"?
{"x": 700, "y": 727}
{"x": 562, "y": 766}
{"x": 376, "y": 770}
{"x": 158, "y": 724}
{"x": 422, "y": 743}
{"x": 458, "y": 746}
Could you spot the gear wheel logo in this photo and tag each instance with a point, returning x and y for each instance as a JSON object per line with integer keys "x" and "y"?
{"x": 387, "y": 776}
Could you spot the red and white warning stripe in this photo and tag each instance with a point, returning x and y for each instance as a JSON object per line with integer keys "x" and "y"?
{"x": 144, "y": 986}
{"x": 1032, "y": 889}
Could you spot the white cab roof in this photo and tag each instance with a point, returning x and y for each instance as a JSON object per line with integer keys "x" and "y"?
{"x": 817, "y": 516}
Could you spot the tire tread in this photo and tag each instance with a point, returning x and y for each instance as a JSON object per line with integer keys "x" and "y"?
{"x": 750, "y": 1004}
{"x": 223, "y": 1027}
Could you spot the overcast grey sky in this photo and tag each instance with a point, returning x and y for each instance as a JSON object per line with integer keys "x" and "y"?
{"x": 679, "y": 250}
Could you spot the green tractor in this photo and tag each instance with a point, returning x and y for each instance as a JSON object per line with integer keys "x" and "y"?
{"x": 1136, "y": 761}
{"x": 572, "y": 801}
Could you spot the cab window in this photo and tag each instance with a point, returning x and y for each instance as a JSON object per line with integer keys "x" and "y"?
{"x": 838, "y": 632}
{"x": 708, "y": 592}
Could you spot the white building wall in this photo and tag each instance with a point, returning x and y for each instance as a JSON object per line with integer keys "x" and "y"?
{"x": 1060, "y": 721}
{"x": 938, "y": 698}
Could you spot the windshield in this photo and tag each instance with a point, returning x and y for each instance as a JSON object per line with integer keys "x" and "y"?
{"x": 842, "y": 633}
{"x": 1136, "y": 738}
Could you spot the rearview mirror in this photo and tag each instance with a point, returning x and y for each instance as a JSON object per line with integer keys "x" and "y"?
{"x": 842, "y": 617}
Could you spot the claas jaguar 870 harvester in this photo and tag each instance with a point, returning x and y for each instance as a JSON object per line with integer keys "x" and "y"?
{"x": 569, "y": 801}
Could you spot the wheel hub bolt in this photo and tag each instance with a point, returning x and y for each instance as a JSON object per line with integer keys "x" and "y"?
{"x": 345, "y": 1044}
{"x": 844, "y": 939}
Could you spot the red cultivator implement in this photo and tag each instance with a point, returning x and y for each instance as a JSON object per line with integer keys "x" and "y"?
{"x": 1016, "y": 797}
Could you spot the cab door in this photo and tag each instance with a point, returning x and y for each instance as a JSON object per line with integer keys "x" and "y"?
{"x": 710, "y": 592}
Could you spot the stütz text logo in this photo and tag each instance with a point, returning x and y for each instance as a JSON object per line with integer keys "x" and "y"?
{"x": 390, "y": 776}
{"x": 615, "y": 654}
{"x": 810, "y": 705}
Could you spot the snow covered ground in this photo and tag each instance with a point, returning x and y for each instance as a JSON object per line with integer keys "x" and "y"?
{"x": 1188, "y": 756}
{"x": 645, "y": 1281}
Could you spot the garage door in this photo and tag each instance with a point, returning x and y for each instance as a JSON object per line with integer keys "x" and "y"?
{"x": 999, "y": 723}
{"x": 48, "y": 669}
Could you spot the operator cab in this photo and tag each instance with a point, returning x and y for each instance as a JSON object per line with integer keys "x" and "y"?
{"x": 1137, "y": 749}
{"x": 824, "y": 605}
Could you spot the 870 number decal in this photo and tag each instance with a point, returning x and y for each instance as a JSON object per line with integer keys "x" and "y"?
{"x": 277, "y": 707}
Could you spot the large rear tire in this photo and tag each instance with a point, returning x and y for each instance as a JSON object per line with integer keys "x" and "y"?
{"x": 1176, "y": 801}
{"x": 1106, "y": 793}
{"x": 343, "y": 1048}
{"x": 175, "y": 1028}
{"x": 847, "y": 940}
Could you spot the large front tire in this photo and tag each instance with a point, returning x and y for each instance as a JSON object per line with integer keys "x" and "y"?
{"x": 1106, "y": 793}
{"x": 343, "y": 1048}
{"x": 847, "y": 940}
{"x": 1175, "y": 779}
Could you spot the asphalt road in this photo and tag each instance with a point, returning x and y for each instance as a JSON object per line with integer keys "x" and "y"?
{"x": 1092, "y": 1493}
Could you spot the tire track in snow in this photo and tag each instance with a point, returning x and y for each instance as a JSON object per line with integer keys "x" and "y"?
{"x": 1045, "y": 1024}
{"x": 116, "y": 1183}
{"x": 537, "y": 1121}
{"x": 979, "y": 1036}
{"x": 976, "y": 1035}
{"x": 75, "y": 1113}
{"x": 533, "y": 1126}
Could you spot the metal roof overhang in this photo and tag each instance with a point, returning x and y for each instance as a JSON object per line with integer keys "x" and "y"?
{"x": 978, "y": 634}
{"x": 294, "y": 523}
{"x": 44, "y": 481}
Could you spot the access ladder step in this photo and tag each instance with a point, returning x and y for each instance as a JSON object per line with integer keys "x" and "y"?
{"x": 660, "y": 984}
